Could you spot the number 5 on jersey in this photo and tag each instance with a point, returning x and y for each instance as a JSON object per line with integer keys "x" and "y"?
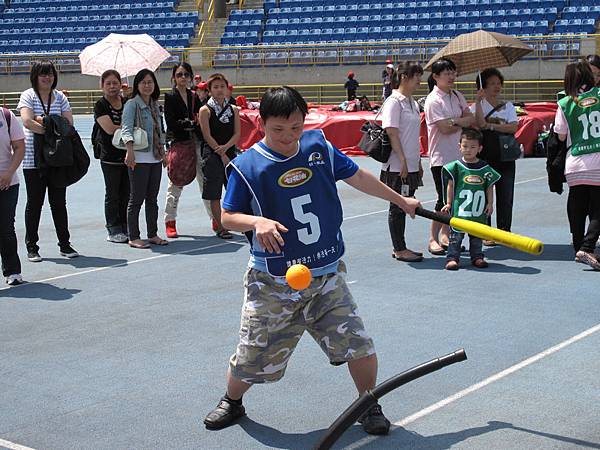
{"x": 312, "y": 233}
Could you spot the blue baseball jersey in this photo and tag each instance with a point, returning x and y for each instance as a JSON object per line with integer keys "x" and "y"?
{"x": 297, "y": 191}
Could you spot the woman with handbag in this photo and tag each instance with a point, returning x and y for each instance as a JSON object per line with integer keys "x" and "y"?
{"x": 184, "y": 156}
{"x": 496, "y": 116}
{"x": 143, "y": 136}
{"x": 42, "y": 99}
{"x": 108, "y": 112}
{"x": 446, "y": 113}
{"x": 400, "y": 117}
{"x": 220, "y": 124}
{"x": 578, "y": 122}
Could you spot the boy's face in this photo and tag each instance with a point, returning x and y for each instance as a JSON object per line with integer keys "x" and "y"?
{"x": 469, "y": 148}
{"x": 282, "y": 134}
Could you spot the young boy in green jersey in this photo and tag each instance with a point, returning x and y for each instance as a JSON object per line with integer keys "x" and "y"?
{"x": 469, "y": 183}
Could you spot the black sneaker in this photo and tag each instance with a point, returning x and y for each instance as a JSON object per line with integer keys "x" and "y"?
{"x": 224, "y": 414}
{"x": 69, "y": 252}
{"x": 374, "y": 422}
{"x": 34, "y": 256}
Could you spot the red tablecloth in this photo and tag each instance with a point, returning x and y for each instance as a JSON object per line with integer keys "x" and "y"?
{"x": 343, "y": 128}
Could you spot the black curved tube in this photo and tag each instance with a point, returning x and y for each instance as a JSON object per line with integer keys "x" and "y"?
{"x": 438, "y": 217}
{"x": 369, "y": 398}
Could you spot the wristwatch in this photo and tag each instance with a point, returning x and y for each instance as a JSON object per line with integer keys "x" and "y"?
{"x": 451, "y": 122}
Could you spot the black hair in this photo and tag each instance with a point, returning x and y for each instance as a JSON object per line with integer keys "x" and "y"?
{"x": 139, "y": 77}
{"x": 282, "y": 102}
{"x": 407, "y": 69}
{"x": 186, "y": 67}
{"x": 110, "y": 73}
{"x": 44, "y": 67}
{"x": 471, "y": 134}
{"x": 578, "y": 76}
{"x": 438, "y": 67}
{"x": 593, "y": 60}
{"x": 216, "y": 77}
{"x": 486, "y": 75}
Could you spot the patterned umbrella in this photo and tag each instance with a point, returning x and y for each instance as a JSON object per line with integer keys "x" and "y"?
{"x": 126, "y": 53}
{"x": 472, "y": 52}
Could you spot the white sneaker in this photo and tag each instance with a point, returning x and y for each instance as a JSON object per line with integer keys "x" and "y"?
{"x": 117, "y": 238}
{"x": 14, "y": 279}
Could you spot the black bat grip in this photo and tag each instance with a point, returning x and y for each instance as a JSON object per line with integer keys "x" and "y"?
{"x": 431, "y": 215}
{"x": 369, "y": 398}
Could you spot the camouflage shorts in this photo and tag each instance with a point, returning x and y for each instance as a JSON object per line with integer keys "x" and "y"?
{"x": 274, "y": 318}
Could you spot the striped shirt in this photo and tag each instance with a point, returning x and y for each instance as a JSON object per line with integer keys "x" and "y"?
{"x": 29, "y": 99}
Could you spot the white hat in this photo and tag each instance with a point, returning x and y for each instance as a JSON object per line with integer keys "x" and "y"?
{"x": 390, "y": 66}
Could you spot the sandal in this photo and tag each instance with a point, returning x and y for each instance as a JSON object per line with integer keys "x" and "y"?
{"x": 224, "y": 234}
{"x": 138, "y": 243}
{"x": 158, "y": 241}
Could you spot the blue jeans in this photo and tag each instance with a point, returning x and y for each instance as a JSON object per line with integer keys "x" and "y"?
{"x": 455, "y": 243}
{"x": 8, "y": 239}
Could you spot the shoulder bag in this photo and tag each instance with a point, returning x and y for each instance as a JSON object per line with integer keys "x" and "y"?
{"x": 375, "y": 141}
{"x": 140, "y": 136}
{"x": 499, "y": 146}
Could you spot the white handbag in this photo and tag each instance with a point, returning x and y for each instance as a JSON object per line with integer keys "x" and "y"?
{"x": 140, "y": 137}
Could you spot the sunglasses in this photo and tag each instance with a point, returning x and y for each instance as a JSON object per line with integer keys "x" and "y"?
{"x": 182, "y": 75}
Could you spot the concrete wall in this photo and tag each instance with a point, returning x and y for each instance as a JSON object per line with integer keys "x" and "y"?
{"x": 523, "y": 70}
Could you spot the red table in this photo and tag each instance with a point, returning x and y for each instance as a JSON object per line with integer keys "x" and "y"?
{"x": 343, "y": 128}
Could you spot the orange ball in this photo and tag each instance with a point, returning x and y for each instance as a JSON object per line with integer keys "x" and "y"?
{"x": 298, "y": 277}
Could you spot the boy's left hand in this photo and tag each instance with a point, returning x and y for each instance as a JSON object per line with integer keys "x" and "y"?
{"x": 489, "y": 209}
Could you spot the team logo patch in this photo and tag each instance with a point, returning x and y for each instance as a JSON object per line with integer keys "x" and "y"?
{"x": 473, "y": 179}
{"x": 295, "y": 177}
{"x": 587, "y": 102}
{"x": 316, "y": 156}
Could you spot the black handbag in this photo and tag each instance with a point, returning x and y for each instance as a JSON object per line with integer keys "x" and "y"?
{"x": 375, "y": 141}
{"x": 499, "y": 146}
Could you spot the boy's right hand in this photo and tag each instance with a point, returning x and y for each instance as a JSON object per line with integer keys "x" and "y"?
{"x": 410, "y": 205}
{"x": 268, "y": 232}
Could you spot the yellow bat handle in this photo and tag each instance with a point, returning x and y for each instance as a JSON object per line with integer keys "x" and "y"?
{"x": 513, "y": 240}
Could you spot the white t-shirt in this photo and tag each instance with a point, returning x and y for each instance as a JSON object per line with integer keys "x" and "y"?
{"x": 403, "y": 113}
{"x": 6, "y": 136}
{"x": 29, "y": 99}
{"x": 507, "y": 113}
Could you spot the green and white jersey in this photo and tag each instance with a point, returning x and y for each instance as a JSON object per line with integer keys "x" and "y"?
{"x": 583, "y": 118}
{"x": 471, "y": 180}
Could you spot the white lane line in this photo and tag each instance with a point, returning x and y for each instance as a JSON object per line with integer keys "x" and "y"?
{"x": 475, "y": 387}
{"x": 99, "y": 269}
{"x": 123, "y": 264}
{"x": 13, "y": 446}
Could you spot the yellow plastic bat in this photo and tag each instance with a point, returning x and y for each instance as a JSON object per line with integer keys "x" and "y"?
{"x": 506, "y": 238}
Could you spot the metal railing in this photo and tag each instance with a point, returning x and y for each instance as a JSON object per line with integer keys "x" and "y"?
{"x": 82, "y": 101}
{"x": 545, "y": 48}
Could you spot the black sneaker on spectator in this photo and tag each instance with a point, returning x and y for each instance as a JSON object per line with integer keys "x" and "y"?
{"x": 68, "y": 251}
{"x": 34, "y": 256}
{"x": 226, "y": 413}
{"x": 14, "y": 279}
{"x": 374, "y": 422}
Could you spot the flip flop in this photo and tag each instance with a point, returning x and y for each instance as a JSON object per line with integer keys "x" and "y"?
{"x": 158, "y": 242}
{"x": 144, "y": 245}
{"x": 439, "y": 252}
